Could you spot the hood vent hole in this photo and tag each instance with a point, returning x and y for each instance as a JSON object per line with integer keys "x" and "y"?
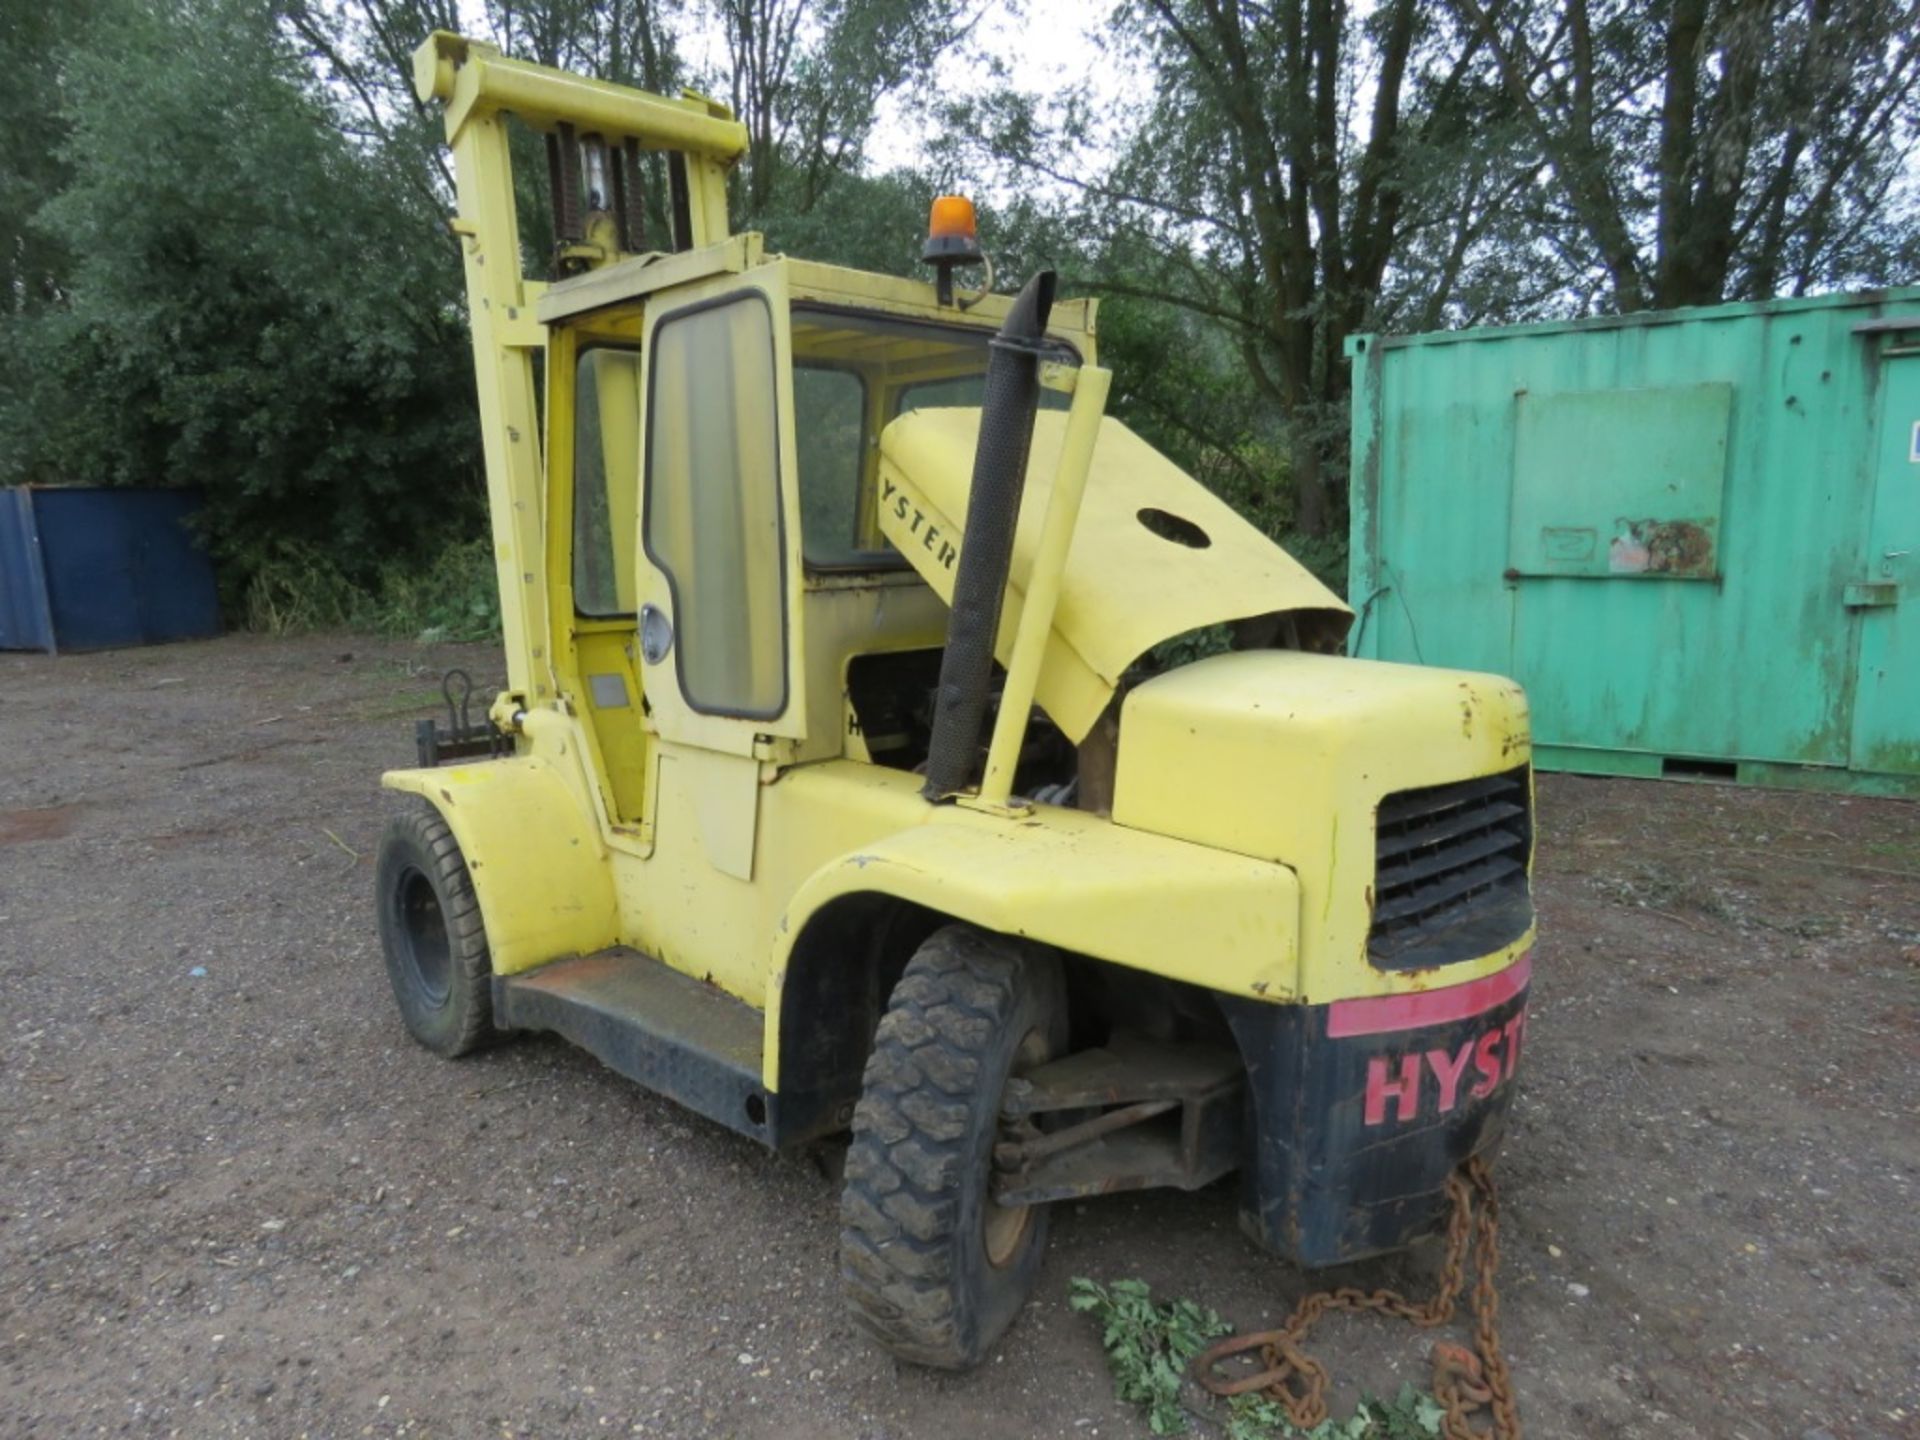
{"x": 1180, "y": 531}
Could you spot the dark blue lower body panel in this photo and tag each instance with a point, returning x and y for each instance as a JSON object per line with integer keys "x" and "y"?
{"x": 1358, "y": 1111}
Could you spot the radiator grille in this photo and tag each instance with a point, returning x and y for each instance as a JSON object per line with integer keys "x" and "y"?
{"x": 1450, "y": 872}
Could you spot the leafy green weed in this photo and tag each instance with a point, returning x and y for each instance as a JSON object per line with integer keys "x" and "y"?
{"x": 1149, "y": 1347}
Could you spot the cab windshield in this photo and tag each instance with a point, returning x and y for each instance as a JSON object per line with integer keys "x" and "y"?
{"x": 852, "y": 373}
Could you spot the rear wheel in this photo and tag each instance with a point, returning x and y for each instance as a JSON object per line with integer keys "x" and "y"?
{"x": 430, "y": 928}
{"x": 932, "y": 1267}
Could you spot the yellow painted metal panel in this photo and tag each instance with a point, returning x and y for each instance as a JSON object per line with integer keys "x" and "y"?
{"x": 644, "y": 275}
{"x": 1285, "y": 756}
{"x": 533, "y": 849}
{"x": 843, "y": 617}
{"x": 476, "y": 80}
{"x": 509, "y": 416}
{"x": 1126, "y": 587}
{"x": 1065, "y": 877}
{"x": 682, "y": 906}
{"x": 608, "y": 699}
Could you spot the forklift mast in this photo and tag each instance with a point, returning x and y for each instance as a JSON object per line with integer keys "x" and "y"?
{"x": 596, "y": 136}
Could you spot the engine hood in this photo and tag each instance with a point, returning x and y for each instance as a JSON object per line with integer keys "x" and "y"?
{"x": 1288, "y": 758}
{"x": 1155, "y": 554}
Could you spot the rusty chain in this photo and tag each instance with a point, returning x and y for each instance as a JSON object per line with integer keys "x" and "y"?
{"x": 1464, "y": 1380}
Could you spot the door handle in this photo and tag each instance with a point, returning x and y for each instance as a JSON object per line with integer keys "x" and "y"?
{"x": 656, "y": 634}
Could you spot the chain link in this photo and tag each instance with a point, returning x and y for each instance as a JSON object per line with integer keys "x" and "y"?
{"x": 1464, "y": 1380}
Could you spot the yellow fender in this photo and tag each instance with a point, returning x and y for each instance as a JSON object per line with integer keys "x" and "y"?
{"x": 1224, "y": 922}
{"x": 520, "y": 820}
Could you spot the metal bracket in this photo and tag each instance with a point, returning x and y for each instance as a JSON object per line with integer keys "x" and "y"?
{"x": 464, "y": 738}
{"x": 1163, "y": 1114}
{"x": 1870, "y": 594}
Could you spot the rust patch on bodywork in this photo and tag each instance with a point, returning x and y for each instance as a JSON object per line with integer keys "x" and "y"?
{"x": 1661, "y": 547}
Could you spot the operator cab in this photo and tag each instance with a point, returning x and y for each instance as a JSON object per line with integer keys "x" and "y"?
{"x": 714, "y": 466}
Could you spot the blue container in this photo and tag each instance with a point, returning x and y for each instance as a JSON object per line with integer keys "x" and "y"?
{"x": 98, "y": 569}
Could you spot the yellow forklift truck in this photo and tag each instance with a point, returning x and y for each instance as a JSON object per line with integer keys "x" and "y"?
{"x": 834, "y": 786}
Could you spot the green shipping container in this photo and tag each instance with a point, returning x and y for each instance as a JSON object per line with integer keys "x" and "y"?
{"x": 1693, "y": 535}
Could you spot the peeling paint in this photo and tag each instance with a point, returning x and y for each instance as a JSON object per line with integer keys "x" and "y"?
{"x": 1661, "y": 547}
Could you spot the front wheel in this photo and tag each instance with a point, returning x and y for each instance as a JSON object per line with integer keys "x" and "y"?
{"x": 933, "y": 1268}
{"x": 430, "y": 928}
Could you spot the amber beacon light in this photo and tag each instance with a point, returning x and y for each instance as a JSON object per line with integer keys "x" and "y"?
{"x": 953, "y": 239}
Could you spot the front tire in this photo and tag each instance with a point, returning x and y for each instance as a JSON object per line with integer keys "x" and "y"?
{"x": 932, "y": 1268}
{"x": 430, "y": 928}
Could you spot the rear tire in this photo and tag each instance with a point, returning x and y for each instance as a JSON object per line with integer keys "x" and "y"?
{"x": 430, "y": 928}
{"x": 932, "y": 1268}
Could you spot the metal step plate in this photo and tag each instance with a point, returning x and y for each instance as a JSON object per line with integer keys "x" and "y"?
{"x": 667, "y": 1031}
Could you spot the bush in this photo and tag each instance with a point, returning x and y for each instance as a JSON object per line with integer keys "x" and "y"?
{"x": 298, "y": 588}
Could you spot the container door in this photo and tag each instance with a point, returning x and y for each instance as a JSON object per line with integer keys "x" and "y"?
{"x": 25, "y": 622}
{"x": 720, "y": 567}
{"x": 1886, "y": 711}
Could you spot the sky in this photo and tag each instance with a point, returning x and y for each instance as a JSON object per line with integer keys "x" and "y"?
{"x": 1052, "y": 45}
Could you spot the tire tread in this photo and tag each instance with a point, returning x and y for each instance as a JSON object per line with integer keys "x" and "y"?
{"x": 909, "y": 1151}
{"x": 421, "y": 828}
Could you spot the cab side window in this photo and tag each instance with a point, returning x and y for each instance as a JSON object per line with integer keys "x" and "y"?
{"x": 606, "y": 481}
{"x": 830, "y": 435}
{"x": 713, "y": 504}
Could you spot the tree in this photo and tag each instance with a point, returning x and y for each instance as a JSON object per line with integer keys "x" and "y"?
{"x": 250, "y": 308}
{"x": 1268, "y": 183}
{"x": 1717, "y": 149}
{"x": 33, "y": 264}
{"x": 807, "y": 78}
{"x": 1299, "y": 171}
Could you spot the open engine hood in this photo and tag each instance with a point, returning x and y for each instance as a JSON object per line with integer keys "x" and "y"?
{"x": 1155, "y": 555}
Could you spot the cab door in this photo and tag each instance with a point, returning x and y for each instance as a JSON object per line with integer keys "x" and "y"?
{"x": 719, "y": 574}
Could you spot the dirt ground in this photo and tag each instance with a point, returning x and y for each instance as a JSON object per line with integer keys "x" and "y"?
{"x": 235, "y": 1199}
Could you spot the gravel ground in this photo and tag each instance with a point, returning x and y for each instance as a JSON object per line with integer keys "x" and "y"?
{"x": 235, "y": 1199}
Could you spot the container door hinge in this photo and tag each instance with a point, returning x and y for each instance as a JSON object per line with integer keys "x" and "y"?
{"x": 1871, "y": 594}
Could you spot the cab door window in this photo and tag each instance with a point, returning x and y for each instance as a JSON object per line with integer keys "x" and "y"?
{"x": 713, "y": 523}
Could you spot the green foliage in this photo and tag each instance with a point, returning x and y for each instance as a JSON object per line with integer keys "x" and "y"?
{"x": 33, "y": 264}
{"x": 875, "y": 223}
{"x": 1149, "y": 1347}
{"x": 256, "y": 305}
{"x": 806, "y": 77}
{"x": 224, "y": 263}
{"x": 295, "y": 588}
{"x": 453, "y": 595}
{"x": 1412, "y": 1415}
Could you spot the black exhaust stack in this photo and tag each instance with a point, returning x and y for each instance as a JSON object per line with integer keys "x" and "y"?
{"x": 986, "y": 550}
